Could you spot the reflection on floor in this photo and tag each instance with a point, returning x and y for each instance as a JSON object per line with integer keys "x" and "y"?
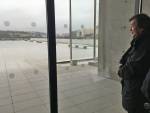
{"x": 24, "y": 85}
{"x": 80, "y": 92}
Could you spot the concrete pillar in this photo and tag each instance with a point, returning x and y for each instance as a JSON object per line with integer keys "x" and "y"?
{"x": 114, "y": 37}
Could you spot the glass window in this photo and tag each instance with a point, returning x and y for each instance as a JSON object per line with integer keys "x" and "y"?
{"x": 82, "y": 29}
{"x": 24, "y": 83}
{"x": 81, "y": 89}
{"x": 62, "y": 30}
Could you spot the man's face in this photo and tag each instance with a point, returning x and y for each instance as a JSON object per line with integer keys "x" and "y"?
{"x": 134, "y": 29}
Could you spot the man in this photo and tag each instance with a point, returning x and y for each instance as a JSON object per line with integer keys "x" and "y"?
{"x": 134, "y": 64}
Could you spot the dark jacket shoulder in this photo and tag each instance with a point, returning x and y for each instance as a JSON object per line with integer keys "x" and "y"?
{"x": 136, "y": 60}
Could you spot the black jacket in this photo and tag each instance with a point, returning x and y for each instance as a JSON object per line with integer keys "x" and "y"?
{"x": 134, "y": 65}
{"x": 146, "y": 86}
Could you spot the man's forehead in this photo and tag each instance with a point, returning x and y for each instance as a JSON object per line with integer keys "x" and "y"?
{"x": 133, "y": 22}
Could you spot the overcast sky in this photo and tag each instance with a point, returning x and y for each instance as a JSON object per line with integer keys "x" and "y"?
{"x": 21, "y": 13}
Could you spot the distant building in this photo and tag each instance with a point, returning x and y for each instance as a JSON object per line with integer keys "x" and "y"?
{"x": 39, "y": 35}
{"x": 87, "y": 33}
{"x": 19, "y": 35}
{"x": 83, "y": 33}
{"x": 63, "y": 35}
{"x": 76, "y": 34}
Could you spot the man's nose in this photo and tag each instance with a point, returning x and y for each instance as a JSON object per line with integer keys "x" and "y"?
{"x": 131, "y": 29}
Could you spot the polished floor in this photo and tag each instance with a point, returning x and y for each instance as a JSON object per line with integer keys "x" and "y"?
{"x": 24, "y": 84}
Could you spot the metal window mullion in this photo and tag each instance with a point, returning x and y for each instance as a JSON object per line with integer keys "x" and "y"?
{"x": 94, "y": 40}
{"x": 52, "y": 56}
{"x": 138, "y": 6}
{"x": 70, "y": 28}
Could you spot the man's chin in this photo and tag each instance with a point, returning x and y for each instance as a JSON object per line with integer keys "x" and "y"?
{"x": 134, "y": 36}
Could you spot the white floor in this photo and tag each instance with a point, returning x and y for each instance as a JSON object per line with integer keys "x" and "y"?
{"x": 24, "y": 83}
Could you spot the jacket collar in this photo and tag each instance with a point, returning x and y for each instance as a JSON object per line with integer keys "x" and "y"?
{"x": 139, "y": 39}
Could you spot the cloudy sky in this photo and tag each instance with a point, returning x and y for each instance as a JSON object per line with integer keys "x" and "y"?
{"x": 21, "y": 13}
